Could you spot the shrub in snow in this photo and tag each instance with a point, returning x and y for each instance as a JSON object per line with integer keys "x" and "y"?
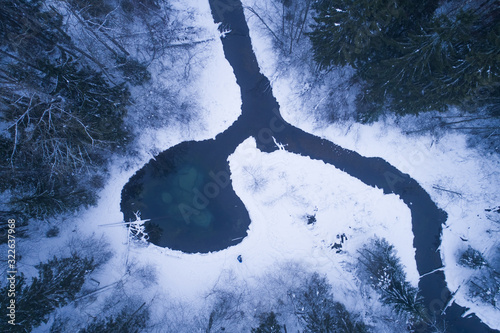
{"x": 472, "y": 258}
{"x": 268, "y": 324}
{"x": 311, "y": 219}
{"x": 52, "y": 232}
{"x": 486, "y": 287}
{"x": 484, "y": 283}
{"x": 129, "y": 320}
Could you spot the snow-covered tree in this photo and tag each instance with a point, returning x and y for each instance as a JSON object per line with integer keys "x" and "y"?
{"x": 381, "y": 268}
{"x": 472, "y": 258}
{"x": 351, "y": 32}
{"x": 61, "y": 111}
{"x": 410, "y": 59}
{"x": 268, "y": 324}
{"x": 129, "y": 320}
{"x": 320, "y": 313}
{"x": 484, "y": 283}
{"x": 379, "y": 264}
{"x": 58, "y": 282}
{"x": 448, "y": 61}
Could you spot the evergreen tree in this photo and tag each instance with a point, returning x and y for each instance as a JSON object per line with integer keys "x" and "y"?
{"x": 446, "y": 62}
{"x": 382, "y": 269}
{"x": 351, "y": 32}
{"x": 404, "y": 298}
{"x": 57, "y": 284}
{"x": 380, "y": 264}
{"x": 408, "y": 60}
{"x": 321, "y": 314}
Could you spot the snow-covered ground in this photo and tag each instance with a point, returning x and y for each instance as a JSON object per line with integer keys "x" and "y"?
{"x": 459, "y": 179}
{"x": 280, "y": 190}
{"x": 200, "y": 79}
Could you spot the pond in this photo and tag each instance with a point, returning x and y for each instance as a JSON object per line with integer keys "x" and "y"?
{"x": 186, "y": 193}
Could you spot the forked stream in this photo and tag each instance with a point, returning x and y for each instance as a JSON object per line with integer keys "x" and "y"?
{"x": 187, "y": 193}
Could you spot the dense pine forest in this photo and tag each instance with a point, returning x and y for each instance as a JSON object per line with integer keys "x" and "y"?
{"x": 411, "y": 56}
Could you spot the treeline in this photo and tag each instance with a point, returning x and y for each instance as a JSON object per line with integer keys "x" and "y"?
{"x": 62, "y": 107}
{"x": 412, "y": 57}
{"x": 60, "y": 282}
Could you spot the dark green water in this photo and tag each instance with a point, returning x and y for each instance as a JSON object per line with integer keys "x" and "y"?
{"x": 186, "y": 192}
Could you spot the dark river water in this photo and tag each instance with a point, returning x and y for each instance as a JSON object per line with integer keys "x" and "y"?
{"x": 187, "y": 193}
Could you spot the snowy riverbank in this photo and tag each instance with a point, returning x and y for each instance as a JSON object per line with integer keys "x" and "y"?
{"x": 459, "y": 179}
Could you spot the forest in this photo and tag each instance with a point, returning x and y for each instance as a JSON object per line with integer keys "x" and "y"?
{"x": 437, "y": 60}
{"x": 411, "y": 57}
